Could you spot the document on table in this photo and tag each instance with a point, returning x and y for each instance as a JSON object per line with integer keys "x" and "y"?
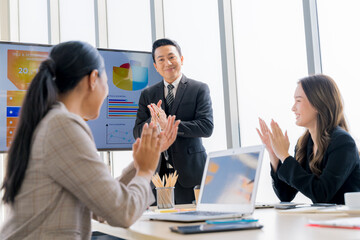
{"x": 338, "y": 209}
{"x": 349, "y": 223}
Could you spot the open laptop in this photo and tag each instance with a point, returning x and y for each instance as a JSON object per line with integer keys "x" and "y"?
{"x": 228, "y": 188}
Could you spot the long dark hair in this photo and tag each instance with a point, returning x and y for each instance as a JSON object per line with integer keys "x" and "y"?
{"x": 67, "y": 64}
{"x": 324, "y": 95}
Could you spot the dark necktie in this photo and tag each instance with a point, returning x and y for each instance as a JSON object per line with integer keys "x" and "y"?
{"x": 170, "y": 96}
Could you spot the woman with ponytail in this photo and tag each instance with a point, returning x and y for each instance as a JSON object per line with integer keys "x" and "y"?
{"x": 326, "y": 163}
{"x": 54, "y": 178}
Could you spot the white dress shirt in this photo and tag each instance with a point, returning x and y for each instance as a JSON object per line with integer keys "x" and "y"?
{"x": 175, "y": 84}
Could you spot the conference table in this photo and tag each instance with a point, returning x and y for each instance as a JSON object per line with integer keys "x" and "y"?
{"x": 277, "y": 225}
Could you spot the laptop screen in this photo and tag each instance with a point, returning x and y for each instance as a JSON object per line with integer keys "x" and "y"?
{"x": 230, "y": 176}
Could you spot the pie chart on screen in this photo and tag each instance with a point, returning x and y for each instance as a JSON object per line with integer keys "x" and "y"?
{"x": 130, "y": 76}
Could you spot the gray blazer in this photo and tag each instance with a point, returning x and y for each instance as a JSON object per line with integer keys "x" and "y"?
{"x": 66, "y": 180}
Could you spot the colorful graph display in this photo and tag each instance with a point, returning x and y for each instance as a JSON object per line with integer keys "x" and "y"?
{"x": 130, "y": 76}
{"x": 14, "y": 101}
{"x": 23, "y": 66}
{"x": 118, "y": 134}
{"x": 128, "y": 72}
{"x": 121, "y": 107}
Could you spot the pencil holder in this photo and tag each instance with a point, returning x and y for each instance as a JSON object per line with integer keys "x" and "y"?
{"x": 165, "y": 197}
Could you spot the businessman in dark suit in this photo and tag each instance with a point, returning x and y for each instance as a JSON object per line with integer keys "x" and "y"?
{"x": 189, "y": 101}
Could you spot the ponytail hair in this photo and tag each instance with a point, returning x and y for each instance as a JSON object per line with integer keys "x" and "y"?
{"x": 67, "y": 64}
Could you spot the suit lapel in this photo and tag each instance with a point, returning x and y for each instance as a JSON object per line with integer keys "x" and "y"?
{"x": 179, "y": 94}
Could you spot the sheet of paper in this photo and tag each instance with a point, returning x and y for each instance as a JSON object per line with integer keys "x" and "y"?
{"x": 353, "y": 222}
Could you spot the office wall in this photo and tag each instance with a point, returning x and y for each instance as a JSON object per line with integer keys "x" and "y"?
{"x": 77, "y": 20}
{"x": 340, "y": 50}
{"x": 33, "y": 21}
{"x": 129, "y": 24}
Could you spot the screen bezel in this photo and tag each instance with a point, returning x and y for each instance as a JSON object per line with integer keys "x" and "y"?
{"x": 243, "y": 208}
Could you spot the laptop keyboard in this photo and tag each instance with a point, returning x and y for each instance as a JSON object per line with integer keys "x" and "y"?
{"x": 205, "y": 213}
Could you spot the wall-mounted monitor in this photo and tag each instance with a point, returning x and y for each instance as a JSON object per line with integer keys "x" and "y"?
{"x": 129, "y": 72}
